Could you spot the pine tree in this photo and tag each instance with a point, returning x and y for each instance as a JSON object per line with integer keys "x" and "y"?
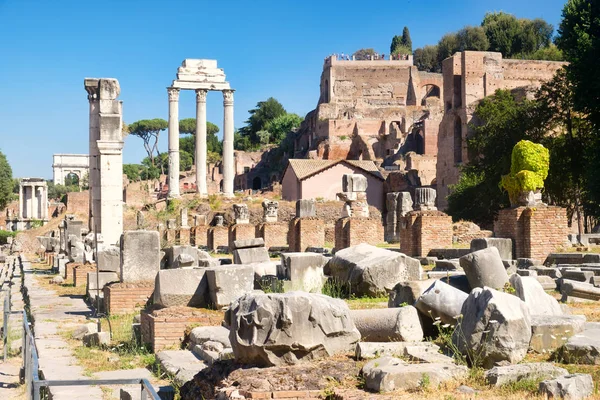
{"x": 406, "y": 41}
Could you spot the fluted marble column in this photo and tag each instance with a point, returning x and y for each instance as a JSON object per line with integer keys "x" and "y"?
{"x": 173, "y": 142}
{"x": 201, "y": 186}
{"x": 228, "y": 167}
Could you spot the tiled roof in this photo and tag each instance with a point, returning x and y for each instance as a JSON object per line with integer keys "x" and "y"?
{"x": 303, "y": 168}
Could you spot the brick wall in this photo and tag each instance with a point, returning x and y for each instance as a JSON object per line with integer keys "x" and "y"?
{"x": 240, "y": 232}
{"x": 80, "y": 274}
{"x": 421, "y": 231}
{"x": 275, "y": 234}
{"x": 199, "y": 235}
{"x": 535, "y": 232}
{"x": 353, "y": 231}
{"x": 183, "y": 236}
{"x": 218, "y": 236}
{"x": 305, "y": 233}
{"x": 166, "y": 328}
{"x": 122, "y": 298}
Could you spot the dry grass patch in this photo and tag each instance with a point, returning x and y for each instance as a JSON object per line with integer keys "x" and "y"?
{"x": 363, "y": 303}
{"x": 62, "y": 289}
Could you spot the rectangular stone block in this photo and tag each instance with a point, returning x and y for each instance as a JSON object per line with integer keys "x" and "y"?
{"x": 248, "y": 243}
{"x": 140, "y": 255}
{"x": 504, "y": 246}
{"x": 98, "y": 281}
{"x": 181, "y": 287}
{"x": 251, "y": 255}
{"x": 182, "y": 256}
{"x": 109, "y": 259}
{"x": 227, "y": 283}
{"x": 306, "y": 208}
{"x": 304, "y": 271}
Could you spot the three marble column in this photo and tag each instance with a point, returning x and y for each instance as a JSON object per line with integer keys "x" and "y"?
{"x": 201, "y": 145}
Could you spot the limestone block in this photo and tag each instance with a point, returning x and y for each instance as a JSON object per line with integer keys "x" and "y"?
{"x": 304, "y": 270}
{"x": 484, "y": 268}
{"x": 354, "y": 183}
{"x": 203, "y": 334}
{"x": 580, "y": 276}
{"x": 423, "y": 354}
{"x": 532, "y": 293}
{"x": 109, "y": 259}
{"x": 504, "y": 246}
{"x": 104, "y": 278}
{"x": 181, "y": 287}
{"x": 527, "y": 272}
{"x": 447, "y": 265}
{"x": 548, "y": 333}
{"x": 582, "y": 348}
{"x": 546, "y": 282}
{"x": 306, "y": 208}
{"x": 582, "y": 290}
{"x": 248, "y": 243}
{"x": 572, "y": 387}
{"x": 370, "y": 350}
{"x": 83, "y": 330}
{"x": 495, "y": 325}
{"x": 206, "y": 261}
{"x": 407, "y": 293}
{"x": 499, "y": 376}
{"x": 140, "y": 255}
{"x": 227, "y": 283}
{"x": 279, "y": 329}
{"x": 182, "y": 256}
{"x": 251, "y": 255}
{"x": 388, "y": 324}
{"x": 97, "y": 339}
{"x": 372, "y": 271}
{"x": 442, "y": 301}
{"x": 263, "y": 269}
{"x": 388, "y": 374}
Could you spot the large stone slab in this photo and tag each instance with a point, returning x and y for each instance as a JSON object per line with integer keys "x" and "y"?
{"x": 304, "y": 271}
{"x": 484, "y": 268}
{"x": 548, "y": 332}
{"x": 582, "y": 348}
{"x": 181, "y": 287}
{"x": 227, "y": 283}
{"x": 180, "y": 364}
{"x": 370, "y": 350}
{"x": 504, "y": 246}
{"x": 580, "y": 290}
{"x": 372, "y": 271}
{"x": 98, "y": 281}
{"x": 532, "y": 293}
{"x": 499, "y": 376}
{"x": 442, "y": 301}
{"x": 140, "y": 255}
{"x": 248, "y": 243}
{"x": 203, "y": 334}
{"x": 109, "y": 259}
{"x": 388, "y": 374}
{"x": 251, "y": 255}
{"x": 388, "y": 324}
{"x": 495, "y": 326}
{"x": 279, "y": 329}
{"x": 572, "y": 387}
{"x": 182, "y": 257}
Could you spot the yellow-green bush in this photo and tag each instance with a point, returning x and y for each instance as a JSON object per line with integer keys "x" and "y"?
{"x": 529, "y": 168}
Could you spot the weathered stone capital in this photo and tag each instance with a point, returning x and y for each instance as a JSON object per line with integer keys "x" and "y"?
{"x": 173, "y": 94}
{"x": 228, "y": 97}
{"x": 201, "y": 95}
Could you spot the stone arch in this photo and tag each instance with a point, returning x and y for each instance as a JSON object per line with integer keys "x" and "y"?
{"x": 458, "y": 140}
{"x": 73, "y": 178}
{"x": 430, "y": 90}
{"x": 256, "y": 183}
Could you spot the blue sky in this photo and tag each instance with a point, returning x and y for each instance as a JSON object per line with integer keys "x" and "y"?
{"x": 267, "y": 48}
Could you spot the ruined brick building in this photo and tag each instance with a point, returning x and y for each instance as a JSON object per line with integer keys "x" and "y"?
{"x": 413, "y": 124}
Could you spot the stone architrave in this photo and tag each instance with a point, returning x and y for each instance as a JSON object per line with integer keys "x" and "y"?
{"x": 106, "y": 159}
{"x": 270, "y": 210}
{"x": 425, "y": 198}
{"x": 242, "y": 216}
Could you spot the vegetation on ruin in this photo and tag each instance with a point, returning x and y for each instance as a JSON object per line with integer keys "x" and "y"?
{"x": 6, "y": 181}
{"x": 4, "y": 235}
{"x": 364, "y": 54}
{"x": 149, "y": 131}
{"x": 401, "y": 44}
{"x": 518, "y": 38}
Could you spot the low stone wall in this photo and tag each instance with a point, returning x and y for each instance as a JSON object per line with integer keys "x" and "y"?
{"x": 354, "y": 231}
{"x": 123, "y": 298}
{"x": 305, "y": 233}
{"x": 422, "y": 231}
{"x": 275, "y": 234}
{"x": 166, "y": 327}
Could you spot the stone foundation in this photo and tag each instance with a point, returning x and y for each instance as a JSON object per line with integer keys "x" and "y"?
{"x": 305, "y": 233}
{"x": 69, "y": 270}
{"x": 199, "y": 236}
{"x": 218, "y": 236}
{"x": 275, "y": 234}
{"x": 535, "y": 232}
{"x": 166, "y": 328}
{"x": 421, "y": 231}
{"x": 352, "y": 231}
{"x": 240, "y": 232}
{"x": 183, "y": 237}
{"x": 170, "y": 238}
{"x": 123, "y": 298}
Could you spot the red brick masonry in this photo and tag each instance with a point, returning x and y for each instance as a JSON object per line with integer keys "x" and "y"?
{"x": 421, "y": 231}
{"x": 123, "y": 298}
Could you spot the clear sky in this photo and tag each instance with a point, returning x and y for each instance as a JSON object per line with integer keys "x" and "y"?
{"x": 267, "y": 48}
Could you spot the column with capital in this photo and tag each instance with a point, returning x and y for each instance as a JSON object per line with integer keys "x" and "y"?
{"x": 173, "y": 142}
{"x": 201, "y": 186}
{"x": 92, "y": 89}
{"x": 228, "y": 167}
{"x": 21, "y": 202}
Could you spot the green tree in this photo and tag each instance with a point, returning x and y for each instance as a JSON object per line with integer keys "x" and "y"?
{"x": 185, "y": 161}
{"x": 6, "y": 181}
{"x": 502, "y": 31}
{"x": 472, "y": 38}
{"x": 406, "y": 41}
{"x": 401, "y": 44}
{"x": 280, "y": 126}
{"x": 426, "y": 59}
{"x": 188, "y": 126}
{"x": 132, "y": 171}
{"x": 364, "y": 54}
{"x": 447, "y": 46}
{"x": 260, "y": 116}
{"x": 149, "y": 131}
